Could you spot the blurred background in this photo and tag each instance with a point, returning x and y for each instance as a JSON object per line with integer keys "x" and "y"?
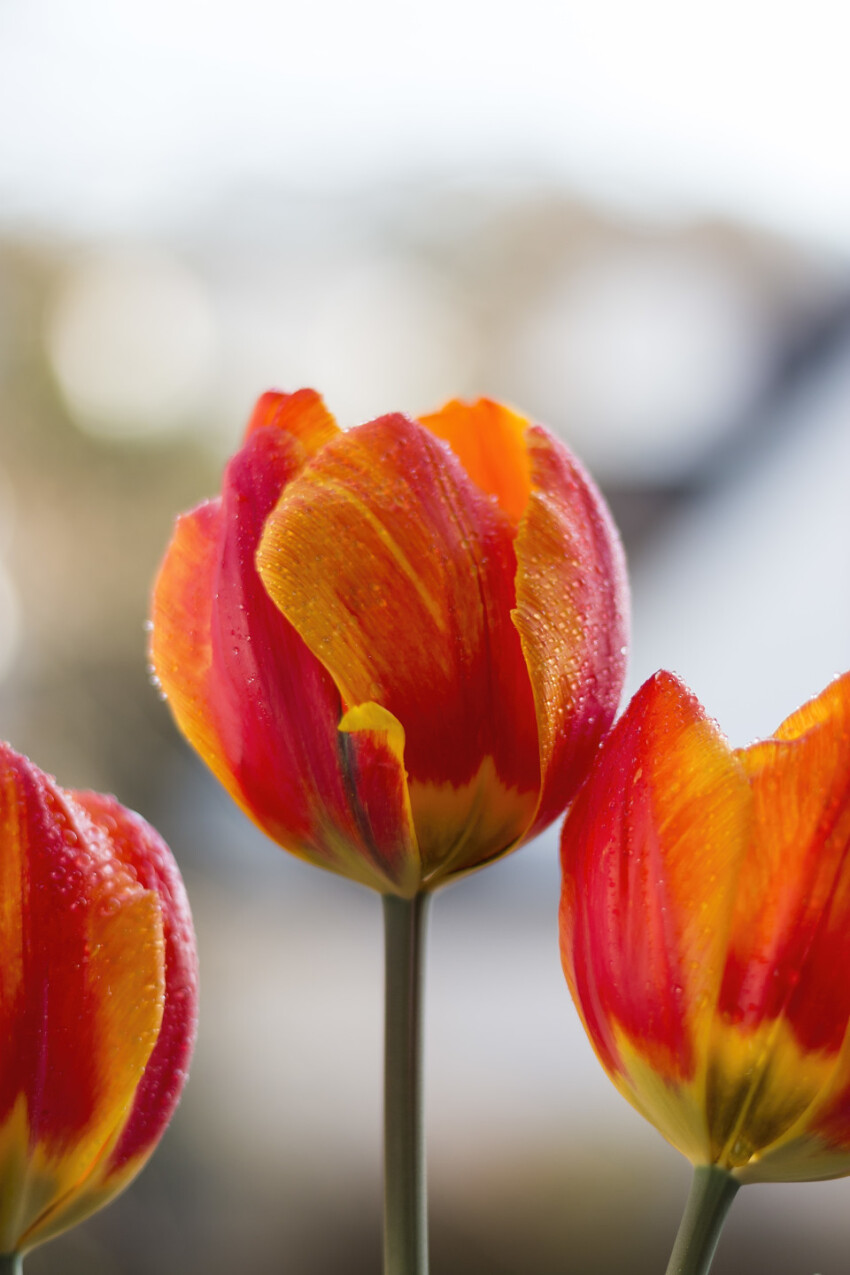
{"x": 633, "y": 222}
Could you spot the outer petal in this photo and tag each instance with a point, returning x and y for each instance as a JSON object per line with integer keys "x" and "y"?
{"x": 651, "y": 850}
{"x": 180, "y": 648}
{"x": 301, "y": 415}
{"x": 791, "y": 933}
{"x": 418, "y": 621}
{"x": 81, "y": 995}
{"x": 136, "y": 844}
{"x": 489, "y": 441}
{"x": 245, "y": 690}
{"x": 572, "y": 617}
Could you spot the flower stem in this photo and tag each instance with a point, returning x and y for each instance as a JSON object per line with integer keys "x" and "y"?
{"x": 11, "y": 1263}
{"x": 712, "y": 1192}
{"x": 405, "y": 1210}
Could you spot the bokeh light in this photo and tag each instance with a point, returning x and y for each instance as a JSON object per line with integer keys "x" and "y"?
{"x": 132, "y": 340}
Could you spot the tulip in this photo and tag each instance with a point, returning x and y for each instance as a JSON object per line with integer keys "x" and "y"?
{"x": 705, "y": 919}
{"x": 398, "y": 648}
{"x": 98, "y": 995}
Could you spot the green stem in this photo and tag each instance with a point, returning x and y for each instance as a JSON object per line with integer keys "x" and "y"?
{"x": 405, "y": 1210}
{"x": 11, "y": 1263}
{"x": 712, "y": 1192}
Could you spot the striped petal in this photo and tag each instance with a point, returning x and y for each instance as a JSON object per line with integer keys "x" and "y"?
{"x": 302, "y": 416}
{"x": 139, "y": 847}
{"x": 651, "y": 851}
{"x": 417, "y": 620}
{"x": 259, "y": 707}
{"x": 705, "y": 922}
{"x": 82, "y": 986}
{"x": 780, "y": 1042}
{"x": 572, "y": 617}
{"x": 571, "y": 586}
{"x": 372, "y": 743}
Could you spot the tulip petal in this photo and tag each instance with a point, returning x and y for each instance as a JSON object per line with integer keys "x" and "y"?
{"x": 831, "y": 707}
{"x": 489, "y": 441}
{"x": 81, "y": 993}
{"x": 254, "y": 701}
{"x": 790, "y": 932}
{"x": 662, "y": 822}
{"x": 180, "y": 651}
{"x": 572, "y": 617}
{"x": 374, "y": 763}
{"x": 398, "y": 573}
{"x": 302, "y": 415}
{"x": 134, "y": 843}
{"x": 571, "y": 587}
{"x": 794, "y": 889}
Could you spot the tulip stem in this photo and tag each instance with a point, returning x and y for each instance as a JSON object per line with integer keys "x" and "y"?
{"x": 11, "y": 1263}
{"x": 712, "y": 1192}
{"x": 405, "y": 1209}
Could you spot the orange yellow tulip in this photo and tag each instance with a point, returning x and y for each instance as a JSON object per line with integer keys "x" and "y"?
{"x": 705, "y": 930}
{"x": 98, "y": 1000}
{"x": 396, "y": 646}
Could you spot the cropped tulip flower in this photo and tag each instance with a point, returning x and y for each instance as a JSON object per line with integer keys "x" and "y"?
{"x": 98, "y": 993}
{"x": 396, "y": 646}
{"x": 705, "y": 933}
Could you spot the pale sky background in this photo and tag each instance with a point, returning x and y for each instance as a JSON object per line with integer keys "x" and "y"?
{"x": 112, "y": 114}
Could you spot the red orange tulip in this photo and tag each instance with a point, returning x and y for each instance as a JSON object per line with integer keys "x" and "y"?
{"x": 705, "y": 930}
{"x": 98, "y": 994}
{"x": 398, "y": 646}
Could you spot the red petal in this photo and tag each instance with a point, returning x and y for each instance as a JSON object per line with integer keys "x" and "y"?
{"x": 650, "y": 854}
{"x": 302, "y": 415}
{"x": 256, "y": 703}
{"x": 81, "y": 990}
{"x": 572, "y": 616}
{"x": 137, "y": 845}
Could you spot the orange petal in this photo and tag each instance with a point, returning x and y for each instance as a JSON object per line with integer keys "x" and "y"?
{"x": 254, "y": 701}
{"x": 211, "y": 553}
{"x": 81, "y": 994}
{"x": 790, "y": 929}
{"x": 489, "y": 441}
{"x": 572, "y": 617}
{"x": 136, "y": 845}
{"x": 650, "y": 854}
{"x": 790, "y": 933}
{"x": 399, "y": 575}
{"x": 831, "y": 706}
{"x": 180, "y": 645}
{"x": 302, "y": 415}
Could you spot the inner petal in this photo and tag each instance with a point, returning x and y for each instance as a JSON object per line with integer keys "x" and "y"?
{"x": 398, "y": 573}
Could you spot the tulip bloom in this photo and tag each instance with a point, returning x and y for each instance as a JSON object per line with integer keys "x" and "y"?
{"x": 398, "y": 646}
{"x": 705, "y": 931}
{"x": 98, "y": 993}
